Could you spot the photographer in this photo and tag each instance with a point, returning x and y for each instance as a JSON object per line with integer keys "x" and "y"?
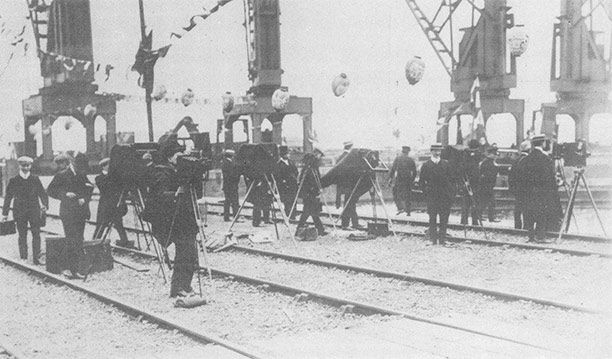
{"x": 437, "y": 185}
{"x": 261, "y": 198}
{"x": 310, "y": 193}
{"x": 231, "y": 179}
{"x": 110, "y": 211}
{"x": 287, "y": 182}
{"x": 172, "y": 216}
{"x": 541, "y": 195}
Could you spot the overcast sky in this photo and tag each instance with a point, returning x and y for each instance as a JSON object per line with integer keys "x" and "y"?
{"x": 369, "y": 40}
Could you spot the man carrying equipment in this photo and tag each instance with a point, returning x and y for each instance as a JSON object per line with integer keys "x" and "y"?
{"x": 28, "y": 192}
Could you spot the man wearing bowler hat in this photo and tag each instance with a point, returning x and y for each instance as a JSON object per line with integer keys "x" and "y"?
{"x": 27, "y": 192}
{"x": 403, "y": 171}
{"x": 437, "y": 185}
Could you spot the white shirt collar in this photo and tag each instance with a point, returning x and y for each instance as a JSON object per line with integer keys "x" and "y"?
{"x": 435, "y": 160}
{"x": 24, "y": 175}
{"x": 284, "y": 161}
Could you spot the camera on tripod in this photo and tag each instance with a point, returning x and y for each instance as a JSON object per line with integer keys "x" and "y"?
{"x": 259, "y": 159}
{"x": 127, "y": 166}
{"x": 574, "y": 154}
{"x": 192, "y": 167}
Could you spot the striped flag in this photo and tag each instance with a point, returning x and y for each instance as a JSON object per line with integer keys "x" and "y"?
{"x": 478, "y": 124}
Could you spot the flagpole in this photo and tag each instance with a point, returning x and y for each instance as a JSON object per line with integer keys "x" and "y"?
{"x": 148, "y": 73}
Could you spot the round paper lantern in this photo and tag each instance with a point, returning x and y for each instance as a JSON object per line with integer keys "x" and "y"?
{"x": 228, "y": 101}
{"x": 32, "y": 130}
{"x": 187, "y": 97}
{"x": 518, "y": 41}
{"x": 340, "y": 84}
{"x": 415, "y": 67}
{"x": 90, "y": 111}
{"x": 159, "y": 92}
{"x": 280, "y": 99}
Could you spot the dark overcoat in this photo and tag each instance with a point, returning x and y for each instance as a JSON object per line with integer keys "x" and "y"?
{"x": 67, "y": 181}
{"x": 437, "y": 184}
{"x": 26, "y": 193}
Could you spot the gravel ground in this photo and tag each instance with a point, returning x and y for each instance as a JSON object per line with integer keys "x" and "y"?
{"x": 43, "y": 320}
{"x": 576, "y": 280}
{"x": 459, "y": 308}
{"x": 235, "y": 311}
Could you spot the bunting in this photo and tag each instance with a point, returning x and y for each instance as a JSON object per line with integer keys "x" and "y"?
{"x": 192, "y": 21}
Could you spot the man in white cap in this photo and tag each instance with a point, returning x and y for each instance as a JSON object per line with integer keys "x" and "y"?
{"x": 27, "y": 192}
{"x": 437, "y": 185}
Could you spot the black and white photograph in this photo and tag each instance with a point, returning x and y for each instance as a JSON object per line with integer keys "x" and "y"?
{"x": 272, "y": 179}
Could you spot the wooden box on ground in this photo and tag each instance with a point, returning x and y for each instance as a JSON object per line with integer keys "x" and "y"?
{"x": 93, "y": 252}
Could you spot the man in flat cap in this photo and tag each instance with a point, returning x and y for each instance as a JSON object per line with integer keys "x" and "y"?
{"x": 403, "y": 171}
{"x": 287, "y": 180}
{"x": 541, "y": 194}
{"x": 110, "y": 209}
{"x": 486, "y": 183}
{"x": 231, "y": 180}
{"x": 437, "y": 184}
{"x": 72, "y": 188}
{"x": 27, "y": 192}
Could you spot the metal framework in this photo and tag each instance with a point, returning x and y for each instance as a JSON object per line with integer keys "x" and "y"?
{"x": 580, "y": 67}
{"x": 480, "y": 52}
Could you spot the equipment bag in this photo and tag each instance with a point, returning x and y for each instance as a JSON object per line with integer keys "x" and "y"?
{"x": 7, "y": 227}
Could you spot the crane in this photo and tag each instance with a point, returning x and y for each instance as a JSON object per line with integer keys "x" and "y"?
{"x": 480, "y": 52}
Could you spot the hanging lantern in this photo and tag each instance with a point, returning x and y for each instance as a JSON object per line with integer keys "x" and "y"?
{"x": 187, "y": 97}
{"x": 280, "y": 99}
{"x": 228, "y": 101}
{"x": 415, "y": 68}
{"x": 32, "y": 130}
{"x": 90, "y": 111}
{"x": 518, "y": 40}
{"x": 340, "y": 84}
{"x": 159, "y": 92}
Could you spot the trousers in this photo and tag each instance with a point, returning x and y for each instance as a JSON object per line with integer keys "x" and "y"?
{"x": 22, "y": 229}
{"x": 73, "y": 230}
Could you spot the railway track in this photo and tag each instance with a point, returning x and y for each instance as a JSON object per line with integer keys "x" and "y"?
{"x": 367, "y": 308}
{"x": 130, "y": 308}
{"x": 501, "y": 295}
{"x": 456, "y": 239}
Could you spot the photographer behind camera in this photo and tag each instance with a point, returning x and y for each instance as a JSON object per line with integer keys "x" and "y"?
{"x": 310, "y": 193}
{"x": 542, "y": 203}
{"x": 172, "y": 215}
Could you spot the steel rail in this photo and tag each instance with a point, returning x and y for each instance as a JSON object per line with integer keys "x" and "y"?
{"x": 528, "y": 246}
{"x": 132, "y": 309}
{"x": 513, "y": 231}
{"x": 410, "y": 278}
{"x": 356, "y": 306}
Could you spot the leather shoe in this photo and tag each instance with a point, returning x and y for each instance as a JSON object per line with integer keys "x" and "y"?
{"x": 323, "y": 233}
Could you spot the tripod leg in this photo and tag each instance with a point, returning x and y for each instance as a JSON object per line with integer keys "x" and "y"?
{"x": 603, "y": 229}
{"x": 382, "y": 201}
{"x": 349, "y": 199}
{"x": 294, "y": 205}
{"x": 160, "y": 252}
{"x": 241, "y": 206}
{"x": 198, "y": 219}
{"x": 318, "y": 180}
{"x": 274, "y": 189}
{"x": 568, "y": 209}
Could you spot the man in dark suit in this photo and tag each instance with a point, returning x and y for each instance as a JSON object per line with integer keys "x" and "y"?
{"x": 110, "y": 209}
{"x": 286, "y": 180}
{"x": 341, "y": 190}
{"x": 437, "y": 185}
{"x": 28, "y": 192}
{"x": 231, "y": 180}
{"x": 486, "y": 184}
{"x": 470, "y": 181}
{"x": 73, "y": 189}
{"x": 517, "y": 186}
{"x": 172, "y": 216}
{"x": 403, "y": 171}
{"x": 541, "y": 194}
